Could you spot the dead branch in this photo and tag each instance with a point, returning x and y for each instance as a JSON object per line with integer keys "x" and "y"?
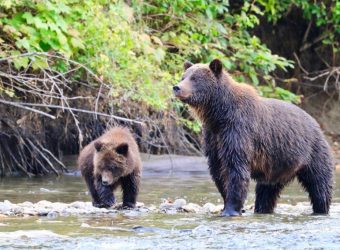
{"x": 49, "y": 89}
{"x": 18, "y": 105}
{"x": 327, "y": 74}
{"x": 81, "y": 111}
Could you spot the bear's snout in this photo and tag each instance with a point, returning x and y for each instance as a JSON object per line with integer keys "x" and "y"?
{"x": 107, "y": 178}
{"x": 176, "y": 88}
{"x": 180, "y": 93}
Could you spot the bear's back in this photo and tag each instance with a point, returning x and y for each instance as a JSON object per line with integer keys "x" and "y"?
{"x": 287, "y": 136}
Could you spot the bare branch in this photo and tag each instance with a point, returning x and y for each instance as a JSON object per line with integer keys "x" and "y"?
{"x": 27, "y": 108}
{"x": 82, "y": 111}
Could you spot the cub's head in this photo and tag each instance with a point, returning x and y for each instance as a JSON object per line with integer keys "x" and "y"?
{"x": 198, "y": 82}
{"x": 110, "y": 161}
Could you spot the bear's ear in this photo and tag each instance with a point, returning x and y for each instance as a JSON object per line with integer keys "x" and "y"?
{"x": 187, "y": 65}
{"x": 122, "y": 149}
{"x": 216, "y": 67}
{"x": 98, "y": 145}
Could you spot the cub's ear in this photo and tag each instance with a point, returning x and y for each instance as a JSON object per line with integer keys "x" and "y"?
{"x": 98, "y": 145}
{"x": 187, "y": 65}
{"x": 216, "y": 67}
{"x": 122, "y": 149}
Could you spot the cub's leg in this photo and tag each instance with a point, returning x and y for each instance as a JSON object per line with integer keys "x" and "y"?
{"x": 266, "y": 197}
{"x": 102, "y": 196}
{"x": 105, "y": 193}
{"x": 89, "y": 179}
{"x": 130, "y": 187}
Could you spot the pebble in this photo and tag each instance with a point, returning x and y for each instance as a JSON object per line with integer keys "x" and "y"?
{"x": 211, "y": 208}
{"x": 44, "y": 203}
{"x": 171, "y": 211}
{"x": 52, "y": 215}
{"x": 166, "y": 205}
{"x": 192, "y": 208}
{"x": 4, "y": 208}
{"x": 179, "y": 203}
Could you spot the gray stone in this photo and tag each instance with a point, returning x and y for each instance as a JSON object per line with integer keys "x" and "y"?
{"x": 179, "y": 203}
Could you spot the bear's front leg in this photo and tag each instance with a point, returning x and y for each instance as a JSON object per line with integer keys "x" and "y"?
{"x": 235, "y": 151}
{"x": 130, "y": 187}
{"x": 237, "y": 188}
{"x": 217, "y": 173}
{"x": 105, "y": 194}
{"x": 91, "y": 185}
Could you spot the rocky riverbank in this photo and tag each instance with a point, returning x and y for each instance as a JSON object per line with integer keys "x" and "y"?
{"x": 55, "y": 209}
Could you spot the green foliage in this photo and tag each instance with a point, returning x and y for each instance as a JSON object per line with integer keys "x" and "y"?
{"x": 194, "y": 125}
{"x": 279, "y": 93}
{"x": 41, "y": 26}
{"x": 99, "y": 34}
{"x": 204, "y": 29}
{"x": 140, "y": 48}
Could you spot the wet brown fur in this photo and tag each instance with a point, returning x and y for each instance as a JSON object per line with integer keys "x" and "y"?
{"x": 248, "y": 136}
{"x": 125, "y": 169}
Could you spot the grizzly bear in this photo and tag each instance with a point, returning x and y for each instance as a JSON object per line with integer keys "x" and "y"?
{"x": 248, "y": 136}
{"x": 109, "y": 161}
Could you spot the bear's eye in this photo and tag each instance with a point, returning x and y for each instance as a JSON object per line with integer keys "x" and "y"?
{"x": 193, "y": 78}
{"x": 122, "y": 149}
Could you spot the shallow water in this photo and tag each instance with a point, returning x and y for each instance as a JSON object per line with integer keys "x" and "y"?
{"x": 291, "y": 226}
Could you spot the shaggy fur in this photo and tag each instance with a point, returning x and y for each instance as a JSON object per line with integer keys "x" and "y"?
{"x": 247, "y": 136}
{"x": 116, "y": 154}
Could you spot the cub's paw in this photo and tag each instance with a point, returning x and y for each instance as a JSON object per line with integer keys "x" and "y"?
{"x": 108, "y": 202}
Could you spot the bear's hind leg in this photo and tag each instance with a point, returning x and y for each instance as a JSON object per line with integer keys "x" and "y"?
{"x": 266, "y": 197}
{"x": 319, "y": 187}
{"x": 130, "y": 187}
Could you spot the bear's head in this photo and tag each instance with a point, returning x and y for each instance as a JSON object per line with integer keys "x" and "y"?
{"x": 199, "y": 83}
{"x": 110, "y": 161}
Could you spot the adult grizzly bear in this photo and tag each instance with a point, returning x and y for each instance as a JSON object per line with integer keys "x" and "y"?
{"x": 248, "y": 136}
{"x": 111, "y": 160}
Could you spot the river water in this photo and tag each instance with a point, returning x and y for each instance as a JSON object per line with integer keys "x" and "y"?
{"x": 291, "y": 226}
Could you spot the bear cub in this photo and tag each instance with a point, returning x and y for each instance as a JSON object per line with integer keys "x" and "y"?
{"x": 110, "y": 161}
{"x": 249, "y": 136}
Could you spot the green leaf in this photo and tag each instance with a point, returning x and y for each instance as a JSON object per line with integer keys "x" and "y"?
{"x": 23, "y": 43}
{"x": 20, "y": 62}
{"x": 39, "y": 63}
{"x": 29, "y": 17}
{"x": 39, "y": 23}
{"x": 77, "y": 43}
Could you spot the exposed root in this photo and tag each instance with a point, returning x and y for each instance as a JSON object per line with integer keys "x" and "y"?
{"x": 46, "y": 114}
{"x": 21, "y": 153}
